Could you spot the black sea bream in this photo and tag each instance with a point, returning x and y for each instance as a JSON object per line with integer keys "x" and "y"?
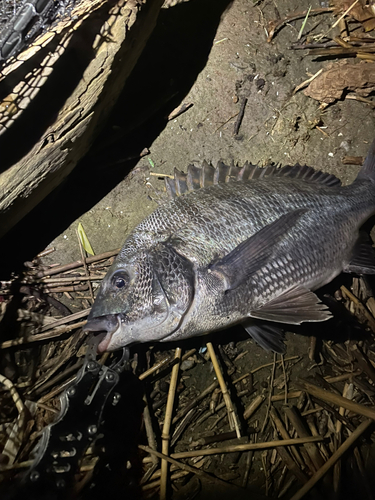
{"x": 234, "y": 246}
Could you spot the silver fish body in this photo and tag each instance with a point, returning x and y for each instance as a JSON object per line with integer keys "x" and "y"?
{"x": 234, "y": 251}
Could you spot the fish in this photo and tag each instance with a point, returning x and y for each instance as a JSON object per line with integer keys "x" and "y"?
{"x": 236, "y": 245}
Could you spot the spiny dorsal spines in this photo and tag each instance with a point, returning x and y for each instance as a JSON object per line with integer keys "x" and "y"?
{"x": 194, "y": 177}
{"x": 223, "y": 172}
{"x": 207, "y": 175}
{"x": 170, "y": 187}
{"x": 180, "y": 179}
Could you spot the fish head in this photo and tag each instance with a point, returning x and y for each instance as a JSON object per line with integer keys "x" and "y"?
{"x": 143, "y": 298}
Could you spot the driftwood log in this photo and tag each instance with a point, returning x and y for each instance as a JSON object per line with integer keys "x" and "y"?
{"x": 57, "y": 94}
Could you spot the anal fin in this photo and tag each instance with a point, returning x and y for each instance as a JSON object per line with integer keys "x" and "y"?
{"x": 268, "y": 336}
{"x": 295, "y": 306}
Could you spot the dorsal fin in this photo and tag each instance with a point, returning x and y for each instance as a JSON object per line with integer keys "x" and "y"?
{"x": 308, "y": 174}
{"x": 207, "y": 175}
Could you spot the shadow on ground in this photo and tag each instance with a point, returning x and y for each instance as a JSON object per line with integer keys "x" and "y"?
{"x": 174, "y": 56}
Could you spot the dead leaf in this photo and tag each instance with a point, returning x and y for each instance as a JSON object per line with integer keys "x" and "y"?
{"x": 342, "y": 77}
{"x": 369, "y": 24}
{"x": 361, "y": 12}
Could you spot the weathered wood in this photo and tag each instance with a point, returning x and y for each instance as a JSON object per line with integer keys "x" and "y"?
{"x": 55, "y": 97}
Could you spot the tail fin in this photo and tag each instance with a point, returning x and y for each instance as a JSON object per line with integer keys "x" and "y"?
{"x": 367, "y": 172}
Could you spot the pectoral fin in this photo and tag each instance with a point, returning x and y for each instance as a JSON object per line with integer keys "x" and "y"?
{"x": 253, "y": 253}
{"x": 268, "y": 336}
{"x": 363, "y": 260}
{"x": 295, "y": 306}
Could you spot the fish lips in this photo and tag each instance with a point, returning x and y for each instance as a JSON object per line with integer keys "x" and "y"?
{"x": 105, "y": 326}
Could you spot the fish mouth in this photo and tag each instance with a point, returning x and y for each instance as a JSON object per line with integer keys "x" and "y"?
{"x": 105, "y": 327}
{"x": 103, "y": 344}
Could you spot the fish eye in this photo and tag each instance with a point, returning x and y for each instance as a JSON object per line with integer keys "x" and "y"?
{"x": 119, "y": 280}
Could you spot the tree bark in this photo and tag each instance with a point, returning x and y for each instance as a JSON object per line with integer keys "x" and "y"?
{"x": 56, "y": 96}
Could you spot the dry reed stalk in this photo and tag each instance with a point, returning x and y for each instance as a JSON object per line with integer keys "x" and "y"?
{"x": 314, "y": 431}
{"x": 77, "y": 263}
{"x": 83, "y": 256}
{"x": 301, "y": 430}
{"x": 193, "y": 404}
{"x": 42, "y": 336}
{"x": 361, "y": 307}
{"x": 233, "y": 422}
{"x": 63, "y": 321}
{"x": 149, "y": 430}
{"x": 279, "y": 424}
{"x": 335, "y": 399}
{"x": 363, "y": 362}
{"x": 14, "y": 438}
{"x": 247, "y": 447}
{"x": 57, "y": 390}
{"x": 249, "y": 459}
{"x": 323, "y": 35}
{"x": 213, "y": 439}
{"x": 291, "y": 464}
{"x": 157, "y": 482}
{"x": 344, "y": 376}
{"x": 330, "y": 462}
{"x": 71, "y": 279}
{"x": 167, "y": 424}
{"x": 155, "y": 367}
{"x": 193, "y": 470}
{"x": 253, "y": 406}
{"x": 285, "y": 379}
{"x": 290, "y": 395}
{"x": 20, "y": 465}
{"x": 348, "y": 394}
{"x": 270, "y": 393}
{"x": 162, "y": 363}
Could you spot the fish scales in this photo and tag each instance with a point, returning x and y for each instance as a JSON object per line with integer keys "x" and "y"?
{"x": 232, "y": 252}
{"x": 247, "y": 209}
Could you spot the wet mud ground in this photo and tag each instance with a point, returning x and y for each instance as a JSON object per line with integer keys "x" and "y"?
{"x": 212, "y": 55}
